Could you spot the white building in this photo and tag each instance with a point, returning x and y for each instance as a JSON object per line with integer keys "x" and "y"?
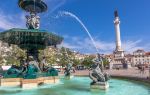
{"x": 141, "y": 57}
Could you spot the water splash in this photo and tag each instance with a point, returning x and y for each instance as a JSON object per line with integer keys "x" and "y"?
{"x": 65, "y": 13}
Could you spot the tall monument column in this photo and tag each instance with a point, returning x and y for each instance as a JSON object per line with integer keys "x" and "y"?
{"x": 118, "y": 60}
{"x": 119, "y": 51}
{"x": 117, "y": 29}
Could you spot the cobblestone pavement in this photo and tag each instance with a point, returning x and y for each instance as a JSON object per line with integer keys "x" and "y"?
{"x": 132, "y": 72}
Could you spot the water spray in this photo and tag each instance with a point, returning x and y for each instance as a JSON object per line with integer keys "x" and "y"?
{"x": 65, "y": 13}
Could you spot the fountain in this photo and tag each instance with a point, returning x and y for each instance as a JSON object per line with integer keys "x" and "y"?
{"x": 68, "y": 71}
{"x": 96, "y": 74}
{"x": 65, "y": 13}
{"x": 80, "y": 85}
{"x": 32, "y": 40}
{"x": 100, "y": 79}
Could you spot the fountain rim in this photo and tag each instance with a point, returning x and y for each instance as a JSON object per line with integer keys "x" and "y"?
{"x": 7, "y": 36}
{"x": 40, "y": 4}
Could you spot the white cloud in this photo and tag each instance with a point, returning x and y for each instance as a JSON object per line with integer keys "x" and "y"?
{"x": 71, "y": 46}
{"x": 11, "y": 21}
{"x": 85, "y": 45}
{"x": 131, "y": 46}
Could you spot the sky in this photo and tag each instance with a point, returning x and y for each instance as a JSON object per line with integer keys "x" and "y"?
{"x": 97, "y": 16}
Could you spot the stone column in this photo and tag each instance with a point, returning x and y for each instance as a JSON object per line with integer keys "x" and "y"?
{"x": 117, "y": 29}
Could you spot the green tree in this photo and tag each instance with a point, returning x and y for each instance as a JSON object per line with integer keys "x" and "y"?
{"x": 63, "y": 56}
{"x": 12, "y": 61}
{"x": 76, "y": 61}
{"x": 13, "y": 57}
{"x": 88, "y": 61}
{"x": 105, "y": 62}
{"x": 66, "y": 56}
{"x": 1, "y": 60}
{"x": 17, "y": 52}
{"x": 50, "y": 54}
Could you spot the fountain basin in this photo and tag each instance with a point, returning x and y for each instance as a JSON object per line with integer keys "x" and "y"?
{"x": 28, "y": 83}
{"x": 81, "y": 86}
{"x": 50, "y": 80}
{"x": 10, "y": 82}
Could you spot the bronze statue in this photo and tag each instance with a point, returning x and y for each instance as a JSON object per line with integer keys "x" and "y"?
{"x": 96, "y": 73}
{"x": 116, "y": 13}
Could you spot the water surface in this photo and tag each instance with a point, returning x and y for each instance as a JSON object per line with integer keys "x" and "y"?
{"x": 81, "y": 86}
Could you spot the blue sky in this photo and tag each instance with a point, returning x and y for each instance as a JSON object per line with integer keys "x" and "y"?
{"x": 97, "y": 15}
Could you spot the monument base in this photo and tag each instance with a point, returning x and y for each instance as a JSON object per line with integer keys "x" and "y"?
{"x": 100, "y": 85}
{"x": 10, "y": 82}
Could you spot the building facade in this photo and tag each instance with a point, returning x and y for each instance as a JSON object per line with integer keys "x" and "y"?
{"x": 140, "y": 57}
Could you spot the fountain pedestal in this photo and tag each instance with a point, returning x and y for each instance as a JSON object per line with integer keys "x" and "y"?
{"x": 100, "y": 85}
{"x": 100, "y": 79}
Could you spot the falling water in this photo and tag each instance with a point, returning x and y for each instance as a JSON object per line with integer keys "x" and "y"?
{"x": 64, "y": 13}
